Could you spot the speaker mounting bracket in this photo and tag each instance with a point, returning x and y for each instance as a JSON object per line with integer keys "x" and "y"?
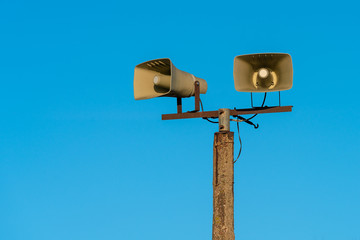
{"x": 252, "y": 103}
{"x": 197, "y": 96}
{"x": 233, "y": 112}
{"x": 279, "y": 100}
{"x": 197, "y": 99}
{"x": 215, "y": 114}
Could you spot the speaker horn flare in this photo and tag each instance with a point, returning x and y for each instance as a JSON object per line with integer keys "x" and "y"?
{"x": 160, "y": 78}
{"x": 263, "y": 72}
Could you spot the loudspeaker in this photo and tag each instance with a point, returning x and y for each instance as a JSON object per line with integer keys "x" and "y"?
{"x": 160, "y": 78}
{"x": 263, "y": 72}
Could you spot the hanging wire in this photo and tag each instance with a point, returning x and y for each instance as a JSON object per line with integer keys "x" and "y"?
{"x": 238, "y": 129}
{"x": 238, "y": 120}
{"x": 202, "y": 109}
{"x": 241, "y": 119}
{"x": 262, "y": 105}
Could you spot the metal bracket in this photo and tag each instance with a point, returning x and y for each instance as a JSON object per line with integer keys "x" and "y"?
{"x": 279, "y": 100}
{"x": 224, "y": 120}
{"x": 197, "y": 99}
{"x": 179, "y": 105}
{"x": 197, "y": 96}
{"x": 252, "y": 104}
{"x": 233, "y": 112}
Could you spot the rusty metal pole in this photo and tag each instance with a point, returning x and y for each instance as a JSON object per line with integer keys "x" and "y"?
{"x": 223, "y": 180}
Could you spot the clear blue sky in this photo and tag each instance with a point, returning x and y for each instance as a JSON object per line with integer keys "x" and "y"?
{"x": 81, "y": 159}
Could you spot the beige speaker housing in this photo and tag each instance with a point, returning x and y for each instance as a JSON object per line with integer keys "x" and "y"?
{"x": 179, "y": 83}
{"x": 278, "y": 65}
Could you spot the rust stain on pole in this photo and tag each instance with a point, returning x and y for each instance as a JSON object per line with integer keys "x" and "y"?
{"x": 223, "y": 187}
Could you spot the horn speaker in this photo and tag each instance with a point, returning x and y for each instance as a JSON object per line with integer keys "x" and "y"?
{"x": 160, "y": 78}
{"x": 263, "y": 72}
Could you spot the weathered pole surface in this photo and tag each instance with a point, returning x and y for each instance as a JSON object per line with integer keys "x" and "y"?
{"x": 223, "y": 179}
{"x": 223, "y": 186}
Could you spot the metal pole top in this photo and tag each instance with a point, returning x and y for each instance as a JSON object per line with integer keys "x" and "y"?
{"x": 224, "y": 120}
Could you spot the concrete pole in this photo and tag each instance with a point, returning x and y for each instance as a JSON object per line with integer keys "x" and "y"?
{"x": 223, "y": 180}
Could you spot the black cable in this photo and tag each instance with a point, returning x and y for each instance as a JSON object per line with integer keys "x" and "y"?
{"x": 246, "y": 119}
{"x": 202, "y": 109}
{"x": 262, "y": 105}
{"x": 210, "y": 120}
{"x": 237, "y": 124}
{"x": 238, "y": 129}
